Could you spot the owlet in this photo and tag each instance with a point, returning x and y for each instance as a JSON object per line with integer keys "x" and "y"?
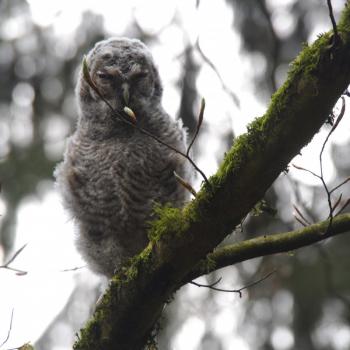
{"x": 112, "y": 174}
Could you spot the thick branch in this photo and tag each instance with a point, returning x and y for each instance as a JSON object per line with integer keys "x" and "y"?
{"x": 270, "y": 244}
{"x": 180, "y": 238}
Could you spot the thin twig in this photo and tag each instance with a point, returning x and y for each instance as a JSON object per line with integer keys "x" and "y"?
{"x": 340, "y": 185}
{"x": 6, "y": 266}
{"x": 296, "y": 191}
{"x": 321, "y": 176}
{"x": 9, "y": 331}
{"x": 334, "y": 24}
{"x": 239, "y": 291}
{"x": 207, "y": 285}
{"x": 300, "y": 214}
{"x": 343, "y": 207}
{"x": 74, "y": 268}
{"x": 212, "y": 66}
{"x": 329, "y": 193}
{"x": 337, "y": 202}
{"x": 199, "y": 124}
{"x": 300, "y": 221}
{"x": 307, "y": 170}
{"x": 121, "y": 117}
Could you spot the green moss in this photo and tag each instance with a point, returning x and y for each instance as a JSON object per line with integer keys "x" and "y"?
{"x": 141, "y": 260}
{"x": 344, "y": 22}
{"x": 206, "y": 265}
{"x": 170, "y": 220}
{"x": 89, "y": 335}
{"x": 260, "y": 130}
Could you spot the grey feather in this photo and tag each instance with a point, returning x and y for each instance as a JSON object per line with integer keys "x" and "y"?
{"x": 112, "y": 175}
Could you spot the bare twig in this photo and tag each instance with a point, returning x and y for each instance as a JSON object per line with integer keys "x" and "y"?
{"x": 337, "y": 202}
{"x": 334, "y": 24}
{"x": 301, "y": 215}
{"x": 329, "y": 193}
{"x": 7, "y": 265}
{"x": 74, "y": 268}
{"x": 9, "y": 331}
{"x": 239, "y": 291}
{"x": 121, "y": 117}
{"x": 307, "y": 170}
{"x": 321, "y": 176}
{"x": 340, "y": 185}
{"x": 343, "y": 207}
{"x": 207, "y": 285}
{"x": 300, "y": 221}
{"x": 297, "y": 193}
{"x": 199, "y": 124}
{"x": 212, "y": 66}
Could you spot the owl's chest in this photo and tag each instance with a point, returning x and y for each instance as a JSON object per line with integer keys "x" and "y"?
{"x": 123, "y": 166}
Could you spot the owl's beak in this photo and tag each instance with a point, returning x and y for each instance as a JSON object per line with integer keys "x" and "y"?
{"x": 126, "y": 93}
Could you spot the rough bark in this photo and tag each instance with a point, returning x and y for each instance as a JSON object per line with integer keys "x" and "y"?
{"x": 180, "y": 238}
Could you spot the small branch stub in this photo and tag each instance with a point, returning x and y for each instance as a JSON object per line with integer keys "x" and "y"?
{"x": 185, "y": 184}
{"x": 130, "y": 113}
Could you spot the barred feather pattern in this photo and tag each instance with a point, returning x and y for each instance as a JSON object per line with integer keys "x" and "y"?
{"x": 113, "y": 175}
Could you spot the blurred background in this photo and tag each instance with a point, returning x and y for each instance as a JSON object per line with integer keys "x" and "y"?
{"x": 235, "y": 54}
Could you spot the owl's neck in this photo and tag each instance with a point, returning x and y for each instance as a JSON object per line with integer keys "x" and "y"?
{"x": 101, "y": 125}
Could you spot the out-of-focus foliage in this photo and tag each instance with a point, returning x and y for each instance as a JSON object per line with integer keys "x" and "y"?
{"x": 306, "y": 304}
{"x": 37, "y": 108}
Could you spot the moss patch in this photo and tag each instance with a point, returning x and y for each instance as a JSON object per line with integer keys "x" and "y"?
{"x": 170, "y": 220}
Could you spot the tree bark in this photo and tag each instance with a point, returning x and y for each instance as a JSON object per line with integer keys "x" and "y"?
{"x": 269, "y": 244}
{"x": 180, "y": 238}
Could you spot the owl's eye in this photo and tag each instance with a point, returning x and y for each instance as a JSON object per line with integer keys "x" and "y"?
{"x": 139, "y": 75}
{"x": 104, "y": 75}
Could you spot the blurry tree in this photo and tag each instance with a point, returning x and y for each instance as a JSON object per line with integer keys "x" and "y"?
{"x": 37, "y": 101}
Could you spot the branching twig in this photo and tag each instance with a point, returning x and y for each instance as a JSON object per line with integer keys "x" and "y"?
{"x": 321, "y": 176}
{"x": 239, "y": 291}
{"x": 301, "y": 215}
{"x": 8, "y": 267}
{"x": 126, "y": 120}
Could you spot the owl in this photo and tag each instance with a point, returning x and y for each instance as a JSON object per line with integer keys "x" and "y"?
{"x": 112, "y": 174}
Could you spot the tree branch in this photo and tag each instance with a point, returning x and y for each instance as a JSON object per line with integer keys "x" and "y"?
{"x": 270, "y": 244}
{"x": 180, "y": 238}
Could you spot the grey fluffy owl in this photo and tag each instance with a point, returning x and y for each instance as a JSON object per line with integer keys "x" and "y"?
{"x": 112, "y": 174}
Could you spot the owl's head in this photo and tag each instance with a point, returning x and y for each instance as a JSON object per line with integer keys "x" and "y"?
{"x": 124, "y": 72}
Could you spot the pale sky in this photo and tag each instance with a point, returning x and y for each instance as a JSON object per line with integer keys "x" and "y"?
{"x": 42, "y": 223}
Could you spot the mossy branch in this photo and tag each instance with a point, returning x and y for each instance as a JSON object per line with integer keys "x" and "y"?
{"x": 269, "y": 244}
{"x": 181, "y": 238}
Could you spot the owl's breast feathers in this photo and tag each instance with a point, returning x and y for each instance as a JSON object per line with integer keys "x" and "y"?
{"x": 120, "y": 180}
